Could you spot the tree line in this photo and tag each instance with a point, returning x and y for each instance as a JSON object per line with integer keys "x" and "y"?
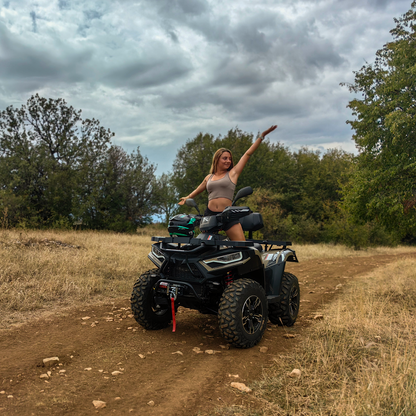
{"x": 57, "y": 169}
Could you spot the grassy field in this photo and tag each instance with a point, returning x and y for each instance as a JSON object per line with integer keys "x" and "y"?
{"x": 359, "y": 361}
{"x": 44, "y": 270}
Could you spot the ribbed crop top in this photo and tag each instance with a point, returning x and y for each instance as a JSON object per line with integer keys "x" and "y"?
{"x": 221, "y": 188}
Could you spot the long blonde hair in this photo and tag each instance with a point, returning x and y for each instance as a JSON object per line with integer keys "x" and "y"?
{"x": 216, "y": 158}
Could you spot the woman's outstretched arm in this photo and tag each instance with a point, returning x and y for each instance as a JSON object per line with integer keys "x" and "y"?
{"x": 238, "y": 168}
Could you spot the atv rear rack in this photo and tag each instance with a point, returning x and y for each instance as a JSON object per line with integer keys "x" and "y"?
{"x": 198, "y": 242}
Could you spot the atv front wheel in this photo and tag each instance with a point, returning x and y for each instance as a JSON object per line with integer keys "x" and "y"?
{"x": 147, "y": 312}
{"x": 285, "y": 312}
{"x": 242, "y": 313}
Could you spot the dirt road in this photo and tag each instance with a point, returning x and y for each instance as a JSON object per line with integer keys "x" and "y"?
{"x": 159, "y": 373}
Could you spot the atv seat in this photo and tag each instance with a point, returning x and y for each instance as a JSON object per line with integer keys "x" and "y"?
{"x": 252, "y": 222}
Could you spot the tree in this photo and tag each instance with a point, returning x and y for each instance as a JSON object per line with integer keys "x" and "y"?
{"x": 383, "y": 186}
{"x": 122, "y": 194}
{"x": 46, "y": 149}
{"x": 271, "y": 166}
{"x": 166, "y": 197}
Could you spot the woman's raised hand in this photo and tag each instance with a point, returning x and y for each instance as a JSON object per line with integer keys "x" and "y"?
{"x": 266, "y": 132}
{"x": 182, "y": 201}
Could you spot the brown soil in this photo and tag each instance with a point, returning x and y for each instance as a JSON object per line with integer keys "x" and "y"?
{"x": 171, "y": 379}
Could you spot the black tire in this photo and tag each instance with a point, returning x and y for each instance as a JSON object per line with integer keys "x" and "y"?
{"x": 145, "y": 310}
{"x": 242, "y": 313}
{"x": 286, "y": 311}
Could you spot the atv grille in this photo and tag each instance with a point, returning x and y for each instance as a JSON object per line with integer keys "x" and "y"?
{"x": 182, "y": 272}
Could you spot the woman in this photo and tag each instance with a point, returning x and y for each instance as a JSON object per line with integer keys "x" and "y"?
{"x": 221, "y": 182}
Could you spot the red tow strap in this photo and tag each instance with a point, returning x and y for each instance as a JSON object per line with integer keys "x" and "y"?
{"x": 172, "y": 301}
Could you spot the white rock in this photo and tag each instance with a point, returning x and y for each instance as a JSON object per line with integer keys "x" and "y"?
{"x": 151, "y": 403}
{"x": 43, "y": 376}
{"x": 116, "y": 373}
{"x": 88, "y": 369}
{"x": 318, "y": 317}
{"x": 10, "y": 396}
{"x": 2, "y": 392}
{"x": 98, "y": 404}
{"x": 241, "y": 387}
{"x": 264, "y": 349}
{"x": 233, "y": 375}
{"x": 178, "y": 352}
{"x": 197, "y": 350}
{"x": 295, "y": 373}
{"x": 48, "y": 362}
{"x": 85, "y": 318}
{"x": 211, "y": 352}
{"x": 62, "y": 371}
{"x": 142, "y": 356}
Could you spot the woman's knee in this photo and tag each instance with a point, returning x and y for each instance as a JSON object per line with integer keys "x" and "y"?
{"x": 236, "y": 233}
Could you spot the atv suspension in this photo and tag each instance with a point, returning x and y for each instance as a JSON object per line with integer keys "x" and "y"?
{"x": 228, "y": 278}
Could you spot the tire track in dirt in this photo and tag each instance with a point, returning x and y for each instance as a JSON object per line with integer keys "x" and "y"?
{"x": 178, "y": 380}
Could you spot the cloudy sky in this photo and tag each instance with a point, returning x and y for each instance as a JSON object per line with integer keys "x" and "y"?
{"x": 158, "y": 72}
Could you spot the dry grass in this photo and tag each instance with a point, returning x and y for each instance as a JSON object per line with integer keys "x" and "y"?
{"x": 359, "y": 361}
{"x": 39, "y": 273}
{"x": 314, "y": 251}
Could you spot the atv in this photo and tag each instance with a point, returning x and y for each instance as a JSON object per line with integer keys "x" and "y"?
{"x": 243, "y": 282}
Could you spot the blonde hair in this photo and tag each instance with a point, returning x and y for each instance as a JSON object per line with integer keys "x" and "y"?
{"x": 217, "y": 157}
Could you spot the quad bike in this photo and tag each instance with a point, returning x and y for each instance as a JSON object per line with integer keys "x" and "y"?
{"x": 243, "y": 282}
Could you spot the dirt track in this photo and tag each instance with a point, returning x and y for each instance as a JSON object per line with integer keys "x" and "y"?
{"x": 176, "y": 379}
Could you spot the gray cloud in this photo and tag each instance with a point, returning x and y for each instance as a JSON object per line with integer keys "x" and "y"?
{"x": 33, "y": 16}
{"x": 159, "y": 72}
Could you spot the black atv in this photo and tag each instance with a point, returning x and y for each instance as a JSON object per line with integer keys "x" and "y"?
{"x": 243, "y": 282}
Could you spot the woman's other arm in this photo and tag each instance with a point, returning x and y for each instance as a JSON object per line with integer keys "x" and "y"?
{"x": 197, "y": 191}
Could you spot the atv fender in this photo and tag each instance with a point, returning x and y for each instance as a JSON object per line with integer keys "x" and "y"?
{"x": 274, "y": 273}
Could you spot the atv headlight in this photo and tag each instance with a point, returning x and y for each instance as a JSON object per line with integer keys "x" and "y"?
{"x": 226, "y": 259}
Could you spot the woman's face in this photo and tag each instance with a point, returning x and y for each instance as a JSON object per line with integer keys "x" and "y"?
{"x": 224, "y": 161}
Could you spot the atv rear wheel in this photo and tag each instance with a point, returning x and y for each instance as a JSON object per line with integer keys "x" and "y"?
{"x": 147, "y": 312}
{"x": 285, "y": 312}
{"x": 242, "y": 313}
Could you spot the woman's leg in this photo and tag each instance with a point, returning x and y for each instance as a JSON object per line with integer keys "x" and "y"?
{"x": 236, "y": 233}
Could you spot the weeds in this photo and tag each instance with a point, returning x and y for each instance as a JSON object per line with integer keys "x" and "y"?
{"x": 359, "y": 361}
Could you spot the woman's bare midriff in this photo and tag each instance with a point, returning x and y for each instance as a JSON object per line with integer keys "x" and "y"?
{"x": 219, "y": 204}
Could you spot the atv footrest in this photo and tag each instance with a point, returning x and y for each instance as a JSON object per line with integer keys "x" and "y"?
{"x": 273, "y": 298}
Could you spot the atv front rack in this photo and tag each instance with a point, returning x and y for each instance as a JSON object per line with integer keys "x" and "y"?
{"x": 198, "y": 242}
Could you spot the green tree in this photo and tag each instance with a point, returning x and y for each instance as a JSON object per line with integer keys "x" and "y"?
{"x": 166, "y": 197}
{"x": 45, "y": 150}
{"x": 383, "y": 185}
{"x": 192, "y": 164}
{"x": 122, "y": 194}
{"x": 271, "y": 166}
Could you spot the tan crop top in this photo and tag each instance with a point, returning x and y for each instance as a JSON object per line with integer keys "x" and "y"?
{"x": 221, "y": 188}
